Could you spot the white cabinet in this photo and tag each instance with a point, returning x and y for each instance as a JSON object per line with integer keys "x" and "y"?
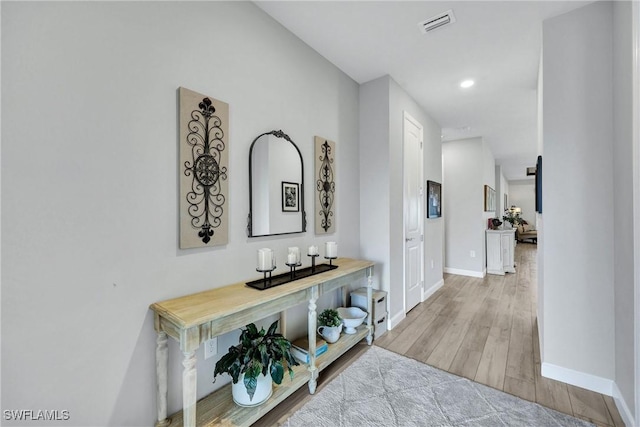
{"x": 500, "y": 251}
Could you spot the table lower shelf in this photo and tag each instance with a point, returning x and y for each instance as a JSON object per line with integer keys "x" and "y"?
{"x": 218, "y": 408}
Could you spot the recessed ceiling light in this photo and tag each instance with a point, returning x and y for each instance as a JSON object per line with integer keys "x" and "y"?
{"x": 467, "y": 83}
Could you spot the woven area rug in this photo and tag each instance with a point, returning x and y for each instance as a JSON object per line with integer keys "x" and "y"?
{"x": 382, "y": 388}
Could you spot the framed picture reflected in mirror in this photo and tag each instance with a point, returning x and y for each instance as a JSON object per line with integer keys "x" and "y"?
{"x": 290, "y": 197}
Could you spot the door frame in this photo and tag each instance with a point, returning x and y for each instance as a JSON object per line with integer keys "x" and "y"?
{"x": 408, "y": 117}
{"x": 635, "y": 29}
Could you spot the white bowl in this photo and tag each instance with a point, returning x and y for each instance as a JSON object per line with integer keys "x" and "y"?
{"x": 352, "y": 317}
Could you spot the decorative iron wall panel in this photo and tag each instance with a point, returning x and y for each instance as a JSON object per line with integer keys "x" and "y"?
{"x": 204, "y": 169}
{"x": 325, "y": 173}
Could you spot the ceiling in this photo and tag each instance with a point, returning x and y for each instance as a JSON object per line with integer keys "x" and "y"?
{"x": 495, "y": 43}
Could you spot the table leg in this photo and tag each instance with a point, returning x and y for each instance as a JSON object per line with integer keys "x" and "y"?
{"x": 370, "y": 306}
{"x": 189, "y": 377}
{"x": 311, "y": 334}
{"x": 162, "y": 358}
{"x": 283, "y": 323}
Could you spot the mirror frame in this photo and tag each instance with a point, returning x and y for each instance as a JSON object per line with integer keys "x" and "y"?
{"x": 303, "y": 213}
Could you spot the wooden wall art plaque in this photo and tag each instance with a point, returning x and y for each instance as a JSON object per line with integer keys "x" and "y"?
{"x": 203, "y": 169}
{"x": 325, "y": 218}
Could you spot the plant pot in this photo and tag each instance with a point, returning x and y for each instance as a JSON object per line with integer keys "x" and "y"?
{"x": 331, "y": 334}
{"x": 263, "y": 391}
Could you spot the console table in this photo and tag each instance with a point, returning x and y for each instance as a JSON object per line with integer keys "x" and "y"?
{"x": 195, "y": 318}
{"x": 501, "y": 251}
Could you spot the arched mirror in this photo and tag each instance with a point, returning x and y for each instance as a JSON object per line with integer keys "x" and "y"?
{"x": 276, "y": 186}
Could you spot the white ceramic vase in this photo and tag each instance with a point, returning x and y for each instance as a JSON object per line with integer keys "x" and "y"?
{"x": 263, "y": 391}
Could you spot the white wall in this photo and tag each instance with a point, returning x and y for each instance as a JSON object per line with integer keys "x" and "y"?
{"x": 522, "y": 193}
{"x": 623, "y": 201}
{"x": 89, "y": 185}
{"x": 488, "y": 178}
{"x": 502, "y": 189}
{"x": 433, "y": 227}
{"x": 464, "y": 178}
{"x": 374, "y": 178}
{"x": 579, "y": 331}
{"x": 382, "y": 103}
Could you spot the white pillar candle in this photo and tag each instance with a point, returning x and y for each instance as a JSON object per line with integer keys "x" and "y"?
{"x": 265, "y": 259}
{"x": 291, "y": 258}
{"x": 313, "y": 250}
{"x": 296, "y": 252}
{"x": 331, "y": 250}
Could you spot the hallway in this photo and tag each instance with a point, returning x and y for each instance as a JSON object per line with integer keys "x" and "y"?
{"x": 486, "y": 330}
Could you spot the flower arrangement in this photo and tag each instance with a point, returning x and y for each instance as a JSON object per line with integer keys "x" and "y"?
{"x": 512, "y": 216}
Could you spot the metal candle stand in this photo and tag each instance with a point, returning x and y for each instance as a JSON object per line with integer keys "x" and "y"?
{"x": 313, "y": 262}
{"x": 331, "y": 259}
{"x": 266, "y": 272}
{"x": 294, "y": 273}
{"x": 292, "y": 268}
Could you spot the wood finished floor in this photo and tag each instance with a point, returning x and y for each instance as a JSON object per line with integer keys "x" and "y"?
{"x": 486, "y": 330}
{"x": 481, "y": 329}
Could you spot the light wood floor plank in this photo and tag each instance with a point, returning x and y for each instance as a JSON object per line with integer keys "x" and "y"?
{"x": 520, "y": 358}
{"x": 443, "y": 354}
{"x": 552, "y": 394}
{"x": 428, "y": 340}
{"x": 476, "y": 337}
{"x": 493, "y": 363}
{"x": 521, "y": 388}
{"x": 613, "y": 411}
{"x": 589, "y": 405}
{"x": 466, "y": 362}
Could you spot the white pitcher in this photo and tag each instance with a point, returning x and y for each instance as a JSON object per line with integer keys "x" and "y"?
{"x": 331, "y": 334}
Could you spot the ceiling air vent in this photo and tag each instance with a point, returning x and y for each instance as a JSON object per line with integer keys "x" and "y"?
{"x": 438, "y": 21}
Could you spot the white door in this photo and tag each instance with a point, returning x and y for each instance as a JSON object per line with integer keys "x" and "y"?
{"x": 413, "y": 212}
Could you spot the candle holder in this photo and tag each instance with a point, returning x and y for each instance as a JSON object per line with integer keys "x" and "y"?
{"x": 330, "y": 258}
{"x": 292, "y": 269}
{"x": 266, "y": 273}
{"x": 293, "y": 274}
{"x": 313, "y": 262}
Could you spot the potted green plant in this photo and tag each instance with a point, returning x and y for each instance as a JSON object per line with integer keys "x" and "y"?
{"x": 258, "y": 353}
{"x": 330, "y": 325}
{"x": 512, "y": 217}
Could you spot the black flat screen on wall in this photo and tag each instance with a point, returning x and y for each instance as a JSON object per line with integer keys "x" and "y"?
{"x": 539, "y": 185}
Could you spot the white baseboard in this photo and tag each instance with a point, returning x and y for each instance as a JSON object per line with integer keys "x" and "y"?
{"x": 621, "y": 404}
{"x": 393, "y": 321}
{"x": 470, "y": 273}
{"x": 578, "y": 379}
{"x": 428, "y": 292}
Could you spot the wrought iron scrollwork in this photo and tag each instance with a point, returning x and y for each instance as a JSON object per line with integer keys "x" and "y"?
{"x": 206, "y": 202}
{"x": 326, "y": 186}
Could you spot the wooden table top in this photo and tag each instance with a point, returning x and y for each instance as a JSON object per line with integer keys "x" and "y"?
{"x": 196, "y": 309}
